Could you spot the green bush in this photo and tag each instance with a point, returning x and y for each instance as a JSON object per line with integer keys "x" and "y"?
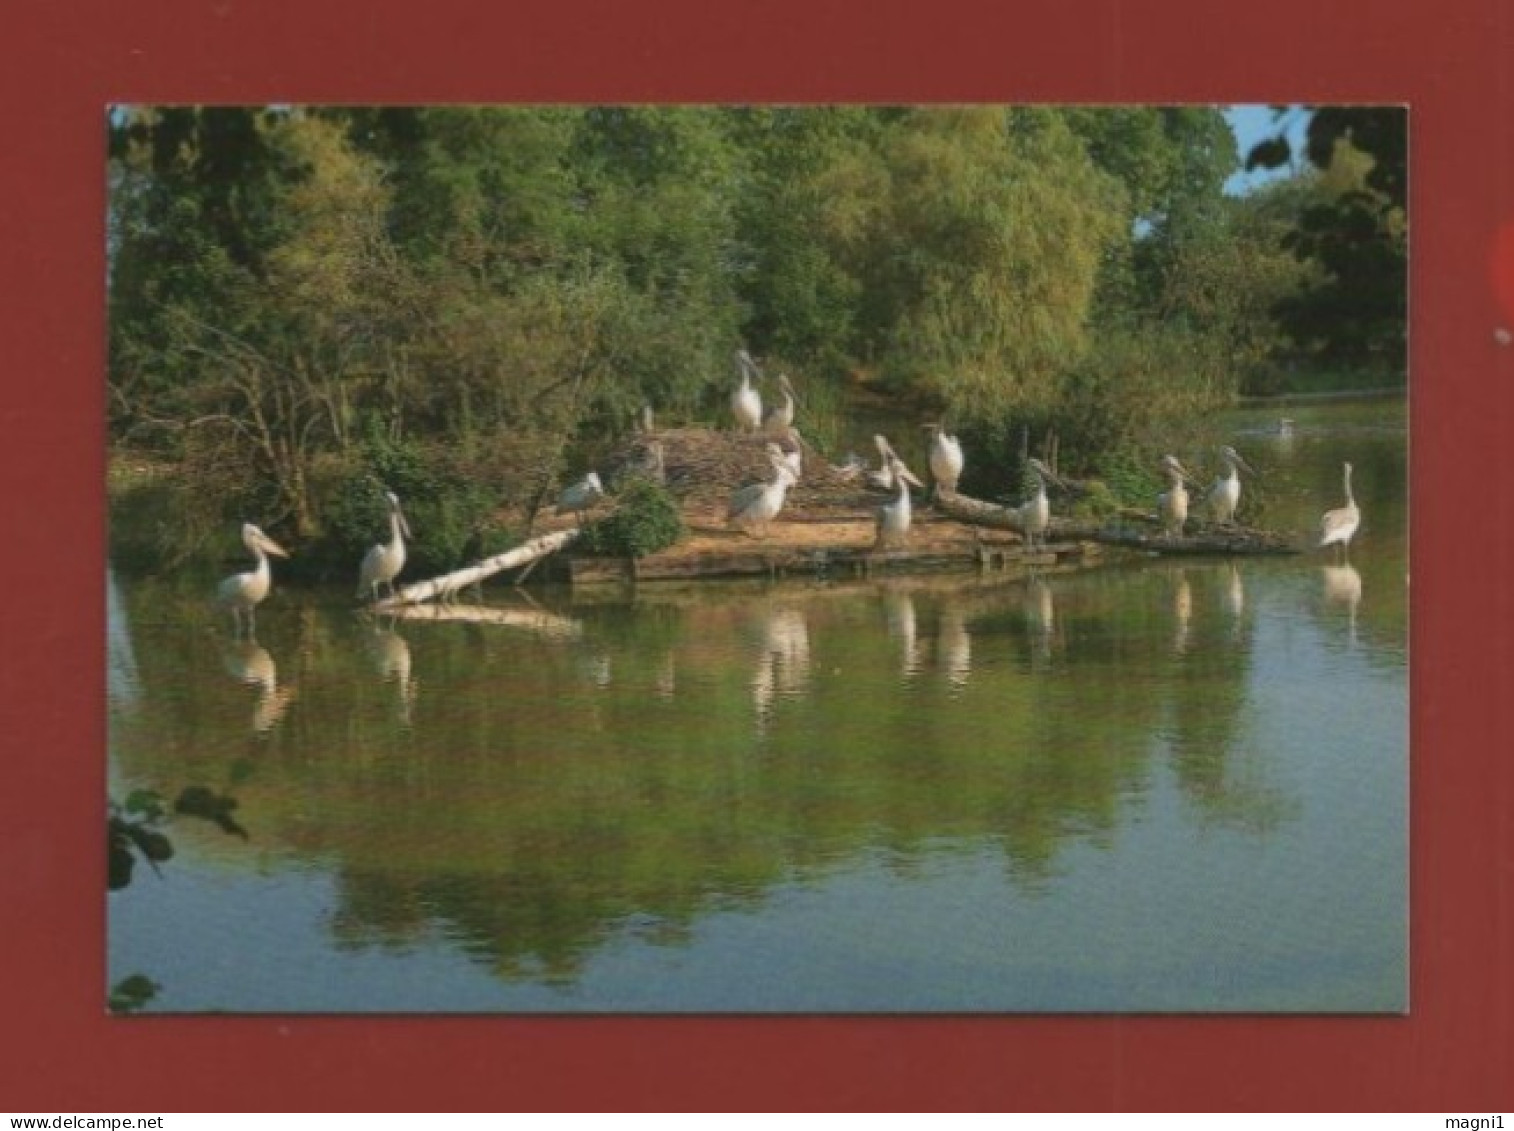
{"x": 646, "y": 520}
{"x": 447, "y": 511}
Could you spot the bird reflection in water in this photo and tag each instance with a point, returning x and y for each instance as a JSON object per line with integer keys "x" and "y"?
{"x": 598, "y": 668}
{"x": 391, "y": 659}
{"x": 1040, "y": 618}
{"x": 1284, "y": 433}
{"x": 665, "y": 681}
{"x": 899, "y": 617}
{"x": 1182, "y": 613}
{"x": 954, "y": 646}
{"x": 1233, "y": 597}
{"x": 783, "y": 661}
{"x": 250, "y": 663}
{"x": 1343, "y": 586}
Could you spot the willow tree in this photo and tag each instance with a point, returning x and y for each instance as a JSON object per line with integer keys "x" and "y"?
{"x": 976, "y": 237}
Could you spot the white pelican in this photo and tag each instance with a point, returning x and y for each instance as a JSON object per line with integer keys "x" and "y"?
{"x": 792, "y": 445}
{"x": 746, "y": 402}
{"x": 883, "y": 477}
{"x": 382, "y": 564}
{"x": 754, "y": 506}
{"x": 1225, "y": 494}
{"x": 1172, "y": 504}
{"x": 580, "y": 496}
{"x": 242, "y": 592}
{"x": 852, "y": 468}
{"x": 893, "y": 519}
{"x": 1339, "y": 526}
{"x": 781, "y": 418}
{"x": 945, "y": 458}
{"x": 1035, "y": 512}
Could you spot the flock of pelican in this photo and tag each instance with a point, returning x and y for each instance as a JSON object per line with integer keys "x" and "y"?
{"x": 753, "y": 508}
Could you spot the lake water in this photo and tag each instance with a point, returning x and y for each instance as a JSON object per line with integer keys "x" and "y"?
{"x": 1158, "y": 786}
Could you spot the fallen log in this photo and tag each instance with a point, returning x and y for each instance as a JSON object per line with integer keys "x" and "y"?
{"x": 450, "y": 583}
{"x": 964, "y": 508}
{"x": 1206, "y": 539}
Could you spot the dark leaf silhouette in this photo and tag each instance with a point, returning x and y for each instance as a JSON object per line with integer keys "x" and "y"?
{"x": 198, "y": 801}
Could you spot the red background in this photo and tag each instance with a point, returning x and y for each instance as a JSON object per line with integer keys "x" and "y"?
{"x": 63, "y": 62}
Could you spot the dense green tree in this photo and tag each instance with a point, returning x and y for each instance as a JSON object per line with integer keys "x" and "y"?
{"x": 1355, "y": 311}
{"x": 305, "y": 301}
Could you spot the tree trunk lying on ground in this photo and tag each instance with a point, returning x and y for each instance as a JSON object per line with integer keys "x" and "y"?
{"x": 1206, "y": 539}
{"x": 450, "y": 583}
{"x": 963, "y": 508}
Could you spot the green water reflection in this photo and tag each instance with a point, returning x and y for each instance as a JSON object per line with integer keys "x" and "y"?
{"x": 1134, "y": 788}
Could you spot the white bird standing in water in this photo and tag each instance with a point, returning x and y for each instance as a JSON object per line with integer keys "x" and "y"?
{"x": 754, "y": 506}
{"x": 242, "y": 592}
{"x": 580, "y": 496}
{"x": 946, "y": 459}
{"x": 382, "y": 563}
{"x": 1339, "y": 526}
{"x": 1172, "y": 504}
{"x": 1035, "y": 512}
{"x": 1225, "y": 495}
{"x": 746, "y": 402}
{"x": 781, "y": 418}
{"x": 893, "y": 519}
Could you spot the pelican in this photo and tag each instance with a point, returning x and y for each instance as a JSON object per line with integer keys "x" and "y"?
{"x": 757, "y": 505}
{"x": 1035, "y": 512}
{"x": 746, "y": 402}
{"x": 792, "y": 445}
{"x": 852, "y": 468}
{"x": 382, "y": 564}
{"x": 893, "y": 518}
{"x": 781, "y": 418}
{"x": 580, "y": 496}
{"x": 242, "y": 592}
{"x": 945, "y": 458}
{"x": 883, "y": 478}
{"x": 1225, "y": 494}
{"x": 1172, "y": 504}
{"x": 1339, "y": 526}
